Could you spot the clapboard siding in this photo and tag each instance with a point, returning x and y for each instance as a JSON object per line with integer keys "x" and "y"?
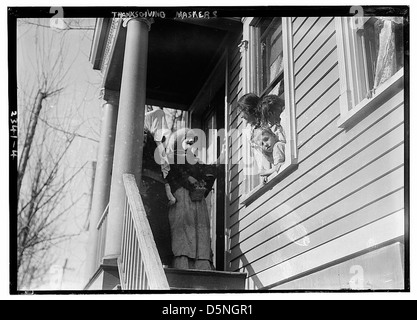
{"x": 316, "y": 109}
{"x": 297, "y": 24}
{"x": 234, "y": 167}
{"x": 234, "y": 170}
{"x": 322, "y": 158}
{"x": 313, "y": 203}
{"x": 236, "y": 180}
{"x": 304, "y": 85}
{"x": 347, "y": 245}
{"x": 236, "y": 147}
{"x": 346, "y": 182}
{"x": 236, "y": 134}
{"x": 341, "y": 166}
{"x": 315, "y": 62}
{"x": 304, "y": 31}
{"x": 384, "y": 267}
{"x": 328, "y": 198}
{"x": 302, "y": 239}
{"x": 306, "y": 49}
{"x": 327, "y": 79}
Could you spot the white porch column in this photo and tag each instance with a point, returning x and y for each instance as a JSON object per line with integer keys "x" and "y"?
{"x": 129, "y": 136}
{"x": 102, "y": 181}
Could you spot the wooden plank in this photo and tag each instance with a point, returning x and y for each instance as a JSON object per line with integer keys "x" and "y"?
{"x": 320, "y": 213}
{"x": 303, "y": 52}
{"x": 235, "y": 118}
{"x": 233, "y": 100}
{"x": 316, "y": 75}
{"x": 236, "y": 152}
{"x": 237, "y": 179}
{"x": 313, "y": 166}
{"x": 388, "y": 228}
{"x": 314, "y": 162}
{"x": 327, "y": 25}
{"x": 234, "y": 208}
{"x": 235, "y": 133}
{"x": 328, "y": 162}
{"x": 234, "y": 170}
{"x": 152, "y": 261}
{"x": 315, "y": 61}
{"x": 333, "y": 88}
{"x": 328, "y": 115}
{"x": 238, "y": 191}
{"x": 324, "y": 191}
{"x": 234, "y": 92}
{"x": 235, "y": 70}
{"x": 235, "y": 66}
{"x": 235, "y": 205}
{"x": 236, "y": 121}
{"x": 281, "y": 250}
{"x": 237, "y": 157}
{"x": 237, "y": 160}
{"x": 129, "y": 250}
{"x": 234, "y": 54}
{"x": 237, "y": 144}
{"x": 325, "y": 81}
{"x": 303, "y": 32}
{"x": 313, "y": 113}
{"x": 233, "y": 96}
{"x": 297, "y": 24}
{"x": 381, "y": 269}
{"x": 234, "y": 86}
{"x": 235, "y": 79}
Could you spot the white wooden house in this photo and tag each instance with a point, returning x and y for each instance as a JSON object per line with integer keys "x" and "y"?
{"x": 333, "y": 218}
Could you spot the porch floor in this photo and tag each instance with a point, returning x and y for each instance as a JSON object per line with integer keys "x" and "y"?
{"x": 179, "y": 279}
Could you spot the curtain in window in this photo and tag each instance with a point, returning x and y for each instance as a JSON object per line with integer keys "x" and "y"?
{"x": 386, "y": 64}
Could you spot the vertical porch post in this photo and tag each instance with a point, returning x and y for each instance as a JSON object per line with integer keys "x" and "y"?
{"x": 101, "y": 191}
{"x": 129, "y": 136}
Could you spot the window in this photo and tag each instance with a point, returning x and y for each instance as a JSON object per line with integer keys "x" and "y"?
{"x": 267, "y": 68}
{"x": 271, "y": 66}
{"x": 371, "y": 62}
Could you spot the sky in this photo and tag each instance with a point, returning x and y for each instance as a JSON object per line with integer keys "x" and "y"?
{"x": 76, "y": 108}
{"x": 82, "y": 72}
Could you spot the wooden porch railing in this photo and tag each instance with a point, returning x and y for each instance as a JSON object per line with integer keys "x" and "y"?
{"x": 101, "y": 227}
{"x": 140, "y": 267}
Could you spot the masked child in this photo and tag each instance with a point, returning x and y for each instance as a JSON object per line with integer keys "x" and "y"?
{"x": 273, "y": 149}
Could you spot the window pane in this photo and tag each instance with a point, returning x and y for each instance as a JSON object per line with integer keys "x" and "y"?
{"x": 383, "y": 49}
{"x": 271, "y": 51}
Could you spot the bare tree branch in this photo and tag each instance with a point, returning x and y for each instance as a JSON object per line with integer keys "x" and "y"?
{"x": 66, "y": 28}
{"x": 68, "y": 132}
{"x": 45, "y": 197}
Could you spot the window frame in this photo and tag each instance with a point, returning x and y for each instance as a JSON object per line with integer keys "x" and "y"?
{"x": 251, "y": 82}
{"x": 353, "y": 107}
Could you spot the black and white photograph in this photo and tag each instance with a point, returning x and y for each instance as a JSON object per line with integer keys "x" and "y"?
{"x": 162, "y": 150}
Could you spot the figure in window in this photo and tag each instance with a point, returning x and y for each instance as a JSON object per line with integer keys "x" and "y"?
{"x": 273, "y": 149}
{"x": 263, "y": 116}
{"x": 390, "y": 52}
{"x": 385, "y": 49}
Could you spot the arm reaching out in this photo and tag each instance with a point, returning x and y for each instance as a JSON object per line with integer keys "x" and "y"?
{"x": 169, "y": 194}
{"x": 267, "y": 173}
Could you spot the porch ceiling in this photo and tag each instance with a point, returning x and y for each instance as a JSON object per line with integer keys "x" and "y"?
{"x": 180, "y": 58}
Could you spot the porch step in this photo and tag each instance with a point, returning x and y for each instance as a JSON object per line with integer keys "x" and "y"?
{"x": 179, "y": 279}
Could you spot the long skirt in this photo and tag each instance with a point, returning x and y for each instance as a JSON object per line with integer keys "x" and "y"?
{"x": 156, "y": 207}
{"x": 190, "y": 232}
